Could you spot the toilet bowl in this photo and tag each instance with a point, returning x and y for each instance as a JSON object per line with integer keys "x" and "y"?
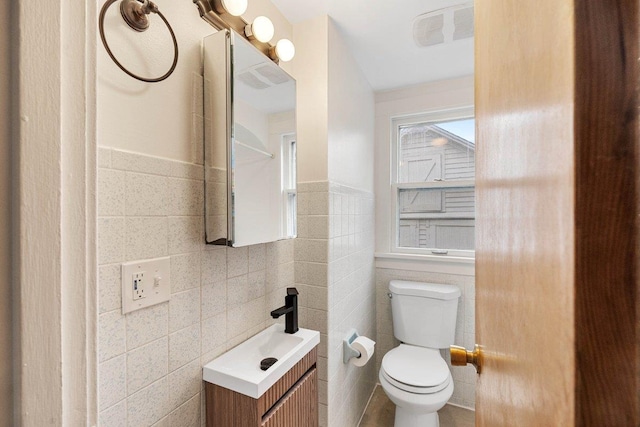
{"x": 418, "y": 381}
{"x": 414, "y": 375}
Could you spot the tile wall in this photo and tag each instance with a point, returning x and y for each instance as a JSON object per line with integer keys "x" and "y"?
{"x": 352, "y": 300}
{"x": 335, "y": 275}
{"x": 150, "y": 361}
{"x": 312, "y": 273}
{"x": 464, "y": 377}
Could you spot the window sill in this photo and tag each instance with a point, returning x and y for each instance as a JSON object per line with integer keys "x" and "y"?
{"x": 432, "y": 263}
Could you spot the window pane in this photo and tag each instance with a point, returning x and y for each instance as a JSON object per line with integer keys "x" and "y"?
{"x": 437, "y": 218}
{"x": 443, "y": 151}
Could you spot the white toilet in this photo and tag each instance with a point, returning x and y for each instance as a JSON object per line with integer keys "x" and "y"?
{"x": 414, "y": 375}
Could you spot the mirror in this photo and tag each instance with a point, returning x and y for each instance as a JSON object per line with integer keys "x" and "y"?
{"x": 250, "y": 144}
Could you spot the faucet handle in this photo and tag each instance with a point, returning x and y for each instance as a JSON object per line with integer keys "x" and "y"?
{"x": 292, "y": 291}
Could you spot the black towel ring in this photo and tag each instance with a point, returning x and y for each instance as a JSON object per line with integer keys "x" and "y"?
{"x": 134, "y": 13}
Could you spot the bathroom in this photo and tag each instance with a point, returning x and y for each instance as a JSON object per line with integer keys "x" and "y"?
{"x": 129, "y": 187}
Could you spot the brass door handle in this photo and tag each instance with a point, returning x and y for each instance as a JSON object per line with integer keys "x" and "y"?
{"x": 461, "y": 357}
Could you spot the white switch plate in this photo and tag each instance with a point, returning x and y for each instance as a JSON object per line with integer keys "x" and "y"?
{"x": 145, "y": 283}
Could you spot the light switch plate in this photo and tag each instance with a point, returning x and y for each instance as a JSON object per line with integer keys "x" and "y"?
{"x": 145, "y": 283}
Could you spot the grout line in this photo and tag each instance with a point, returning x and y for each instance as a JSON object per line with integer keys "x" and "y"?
{"x": 368, "y": 402}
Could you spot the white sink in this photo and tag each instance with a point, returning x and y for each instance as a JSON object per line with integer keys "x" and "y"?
{"x": 239, "y": 368}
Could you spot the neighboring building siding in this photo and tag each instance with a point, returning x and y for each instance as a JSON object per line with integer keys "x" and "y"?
{"x": 436, "y": 218}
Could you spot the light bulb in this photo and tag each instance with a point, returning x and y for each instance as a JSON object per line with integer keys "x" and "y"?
{"x": 261, "y": 29}
{"x": 285, "y": 50}
{"x": 235, "y": 7}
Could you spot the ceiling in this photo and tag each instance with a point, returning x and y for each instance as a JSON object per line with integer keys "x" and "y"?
{"x": 380, "y": 36}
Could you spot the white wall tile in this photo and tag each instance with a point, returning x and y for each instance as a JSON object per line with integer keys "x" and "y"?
{"x": 111, "y": 335}
{"x": 110, "y": 240}
{"x": 170, "y": 223}
{"x": 214, "y": 299}
{"x": 186, "y": 234}
{"x": 311, "y": 250}
{"x": 115, "y": 416}
{"x": 145, "y": 237}
{"x": 111, "y": 187}
{"x": 318, "y": 227}
{"x": 185, "y": 271}
{"x": 214, "y": 265}
{"x": 184, "y": 346}
{"x": 237, "y": 261}
{"x": 184, "y": 309}
{"x": 146, "y": 325}
{"x": 246, "y": 316}
{"x": 149, "y": 404}
{"x": 134, "y": 162}
{"x": 184, "y": 383}
{"x": 146, "y": 195}
{"x": 104, "y": 157}
{"x": 186, "y": 197}
{"x": 113, "y": 382}
{"x": 257, "y": 258}
{"x": 147, "y": 364}
{"x": 187, "y": 415}
{"x": 186, "y": 170}
{"x": 109, "y": 288}
{"x": 214, "y": 332}
{"x": 256, "y": 282}
{"x": 238, "y": 291}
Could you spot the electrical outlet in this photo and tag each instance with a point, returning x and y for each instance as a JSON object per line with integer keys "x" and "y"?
{"x": 145, "y": 283}
{"x": 138, "y": 285}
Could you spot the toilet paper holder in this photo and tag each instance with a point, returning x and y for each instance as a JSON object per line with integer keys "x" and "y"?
{"x": 347, "y": 350}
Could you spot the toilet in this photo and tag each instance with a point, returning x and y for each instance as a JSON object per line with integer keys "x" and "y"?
{"x": 414, "y": 375}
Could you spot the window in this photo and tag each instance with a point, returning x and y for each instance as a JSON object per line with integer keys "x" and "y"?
{"x": 289, "y": 194}
{"x": 433, "y": 183}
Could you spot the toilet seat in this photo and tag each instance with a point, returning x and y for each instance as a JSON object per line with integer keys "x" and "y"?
{"x": 417, "y": 370}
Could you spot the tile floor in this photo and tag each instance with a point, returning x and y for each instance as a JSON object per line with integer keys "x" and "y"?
{"x": 381, "y": 412}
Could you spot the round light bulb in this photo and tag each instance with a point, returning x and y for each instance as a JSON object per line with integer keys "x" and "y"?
{"x": 261, "y": 29}
{"x": 285, "y": 50}
{"x": 235, "y": 7}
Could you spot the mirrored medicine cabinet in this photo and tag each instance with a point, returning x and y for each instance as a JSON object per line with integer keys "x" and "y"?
{"x": 250, "y": 144}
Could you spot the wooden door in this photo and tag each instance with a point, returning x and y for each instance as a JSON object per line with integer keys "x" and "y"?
{"x": 6, "y": 359}
{"x": 557, "y": 212}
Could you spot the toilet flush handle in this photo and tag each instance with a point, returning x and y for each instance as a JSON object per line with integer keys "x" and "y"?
{"x": 461, "y": 357}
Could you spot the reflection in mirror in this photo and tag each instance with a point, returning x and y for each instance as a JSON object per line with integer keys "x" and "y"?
{"x": 250, "y": 144}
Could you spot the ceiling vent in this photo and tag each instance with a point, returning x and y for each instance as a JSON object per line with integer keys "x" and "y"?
{"x": 444, "y": 25}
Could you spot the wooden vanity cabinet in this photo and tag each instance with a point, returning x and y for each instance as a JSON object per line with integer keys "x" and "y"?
{"x": 292, "y": 401}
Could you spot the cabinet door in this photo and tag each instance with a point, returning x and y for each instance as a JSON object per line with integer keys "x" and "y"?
{"x": 299, "y": 407}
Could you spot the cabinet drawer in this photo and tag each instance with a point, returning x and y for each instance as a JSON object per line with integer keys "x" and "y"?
{"x": 227, "y": 408}
{"x": 299, "y": 407}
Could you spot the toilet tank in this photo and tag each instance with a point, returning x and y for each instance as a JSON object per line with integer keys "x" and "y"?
{"x": 424, "y": 314}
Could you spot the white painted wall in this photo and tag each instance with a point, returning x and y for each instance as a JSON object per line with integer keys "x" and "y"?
{"x": 156, "y": 118}
{"x": 351, "y": 115}
{"x": 446, "y": 94}
{"x": 310, "y": 70}
{"x": 6, "y": 378}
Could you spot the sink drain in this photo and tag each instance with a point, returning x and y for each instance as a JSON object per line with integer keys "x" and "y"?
{"x": 267, "y": 363}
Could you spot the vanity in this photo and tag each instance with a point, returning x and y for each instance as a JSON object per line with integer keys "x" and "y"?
{"x": 239, "y": 393}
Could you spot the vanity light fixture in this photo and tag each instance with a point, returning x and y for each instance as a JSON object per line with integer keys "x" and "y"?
{"x": 284, "y": 50}
{"x": 225, "y": 14}
{"x": 260, "y": 29}
{"x": 232, "y": 7}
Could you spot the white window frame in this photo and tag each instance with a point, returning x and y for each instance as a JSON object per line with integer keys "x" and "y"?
{"x": 288, "y": 151}
{"x": 395, "y": 187}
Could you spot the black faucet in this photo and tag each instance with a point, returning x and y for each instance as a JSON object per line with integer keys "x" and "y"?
{"x": 290, "y": 309}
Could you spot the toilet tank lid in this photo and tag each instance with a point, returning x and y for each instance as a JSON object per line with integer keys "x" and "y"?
{"x": 425, "y": 290}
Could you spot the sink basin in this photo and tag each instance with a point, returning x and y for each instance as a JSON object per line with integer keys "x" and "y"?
{"x": 239, "y": 368}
